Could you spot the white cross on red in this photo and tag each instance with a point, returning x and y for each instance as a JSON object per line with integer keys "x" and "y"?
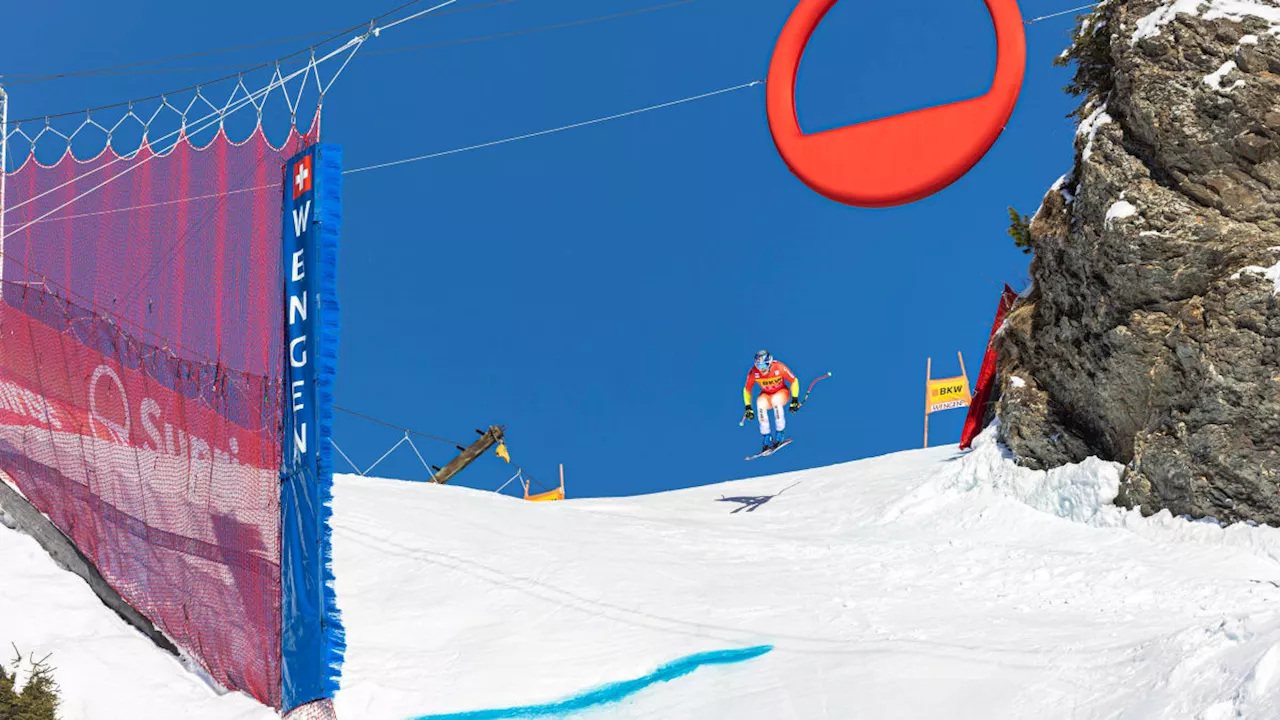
{"x": 302, "y": 176}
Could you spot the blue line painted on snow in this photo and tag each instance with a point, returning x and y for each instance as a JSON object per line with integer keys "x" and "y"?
{"x": 613, "y": 692}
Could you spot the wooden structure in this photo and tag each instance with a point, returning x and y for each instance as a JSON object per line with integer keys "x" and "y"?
{"x": 488, "y": 438}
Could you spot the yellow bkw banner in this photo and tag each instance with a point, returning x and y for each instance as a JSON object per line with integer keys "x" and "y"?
{"x": 948, "y": 393}
{"x": 944, "y": 393}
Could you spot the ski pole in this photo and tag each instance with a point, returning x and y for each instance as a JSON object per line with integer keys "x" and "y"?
{"x": 816, "y": 380}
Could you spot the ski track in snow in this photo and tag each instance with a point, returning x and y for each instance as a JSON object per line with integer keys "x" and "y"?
{"x": 923, "y": 584}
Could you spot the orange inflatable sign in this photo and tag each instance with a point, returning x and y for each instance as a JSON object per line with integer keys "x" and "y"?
{"x": 899, "y": 159}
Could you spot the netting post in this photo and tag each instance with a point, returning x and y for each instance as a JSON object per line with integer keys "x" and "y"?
{"x": 4, "y": 168}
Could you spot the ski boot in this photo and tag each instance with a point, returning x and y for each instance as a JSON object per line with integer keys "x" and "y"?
{"x": 769, "y": 444}
{"x": 778, "y": 438}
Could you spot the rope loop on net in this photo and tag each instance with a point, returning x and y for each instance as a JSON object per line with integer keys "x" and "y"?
{"x": 211, "y": 114}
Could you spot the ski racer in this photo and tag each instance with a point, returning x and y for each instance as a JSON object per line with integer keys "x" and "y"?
{"x": 777, "y": 384}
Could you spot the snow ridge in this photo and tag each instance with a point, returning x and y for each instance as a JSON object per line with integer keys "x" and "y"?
{"x": 1085, "y": 493}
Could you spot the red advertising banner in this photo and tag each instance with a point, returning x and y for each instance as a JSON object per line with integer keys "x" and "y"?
{"x": 973, "y": 423}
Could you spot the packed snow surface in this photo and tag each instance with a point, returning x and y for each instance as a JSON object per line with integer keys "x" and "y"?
{"x": 925, "y": 584}
{"x": 105, "y": 668}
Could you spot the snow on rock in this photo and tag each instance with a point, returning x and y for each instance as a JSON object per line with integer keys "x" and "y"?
{"x": 1119, "y": 210}
{"x": 1089, "y": 127}
{"x": 1166, "y": 117}
{"x": 1214, "y": 79}
{"x": 1249, "y": 40}
{"x": 1235, "y": 10}
{"x": 1271, "y": 273}
{"x": 924, "y": 584}
{"x": 1017, "y": 381}
{"x": 1060, "y": 185}
{"x": 1149, "y": 26}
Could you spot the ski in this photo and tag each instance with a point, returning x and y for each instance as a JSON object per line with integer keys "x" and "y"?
{"x": 770, "y": 451}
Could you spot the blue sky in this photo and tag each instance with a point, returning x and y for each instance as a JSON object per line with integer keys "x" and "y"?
{"x": 601, "y": 291}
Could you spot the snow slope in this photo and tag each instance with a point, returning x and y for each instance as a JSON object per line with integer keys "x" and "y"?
{"x": 105, "y": 668}
{"x": 925, "y": 584}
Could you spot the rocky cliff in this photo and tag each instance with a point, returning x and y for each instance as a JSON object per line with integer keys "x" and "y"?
{"x": 1151, "y": 332}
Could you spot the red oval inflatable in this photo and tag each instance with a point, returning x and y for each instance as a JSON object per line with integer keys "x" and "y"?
{"x": 899, "y": 159}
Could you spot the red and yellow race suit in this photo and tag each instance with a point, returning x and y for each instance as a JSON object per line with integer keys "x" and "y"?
{"x": 773, "y": 383}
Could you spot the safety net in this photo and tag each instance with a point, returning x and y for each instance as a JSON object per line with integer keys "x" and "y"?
{"x": 141, "y": 336}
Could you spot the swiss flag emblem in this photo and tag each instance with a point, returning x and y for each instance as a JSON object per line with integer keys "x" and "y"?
{"x": 302, "y": 177}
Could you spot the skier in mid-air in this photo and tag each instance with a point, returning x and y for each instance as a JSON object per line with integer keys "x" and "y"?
{"x": 777, "y": 384}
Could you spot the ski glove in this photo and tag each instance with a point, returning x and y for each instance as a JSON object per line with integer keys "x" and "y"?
{"x": 795, "y": 404}
{"x": 750, "y": 414}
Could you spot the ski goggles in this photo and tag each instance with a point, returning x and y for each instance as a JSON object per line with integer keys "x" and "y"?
{"x": 763, "y": 361}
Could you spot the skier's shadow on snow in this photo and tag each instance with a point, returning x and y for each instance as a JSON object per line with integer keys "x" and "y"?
{"x": 750, "y": 503}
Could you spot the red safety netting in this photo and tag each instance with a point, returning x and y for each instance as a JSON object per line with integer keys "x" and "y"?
{"x": 140, "y": 363}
